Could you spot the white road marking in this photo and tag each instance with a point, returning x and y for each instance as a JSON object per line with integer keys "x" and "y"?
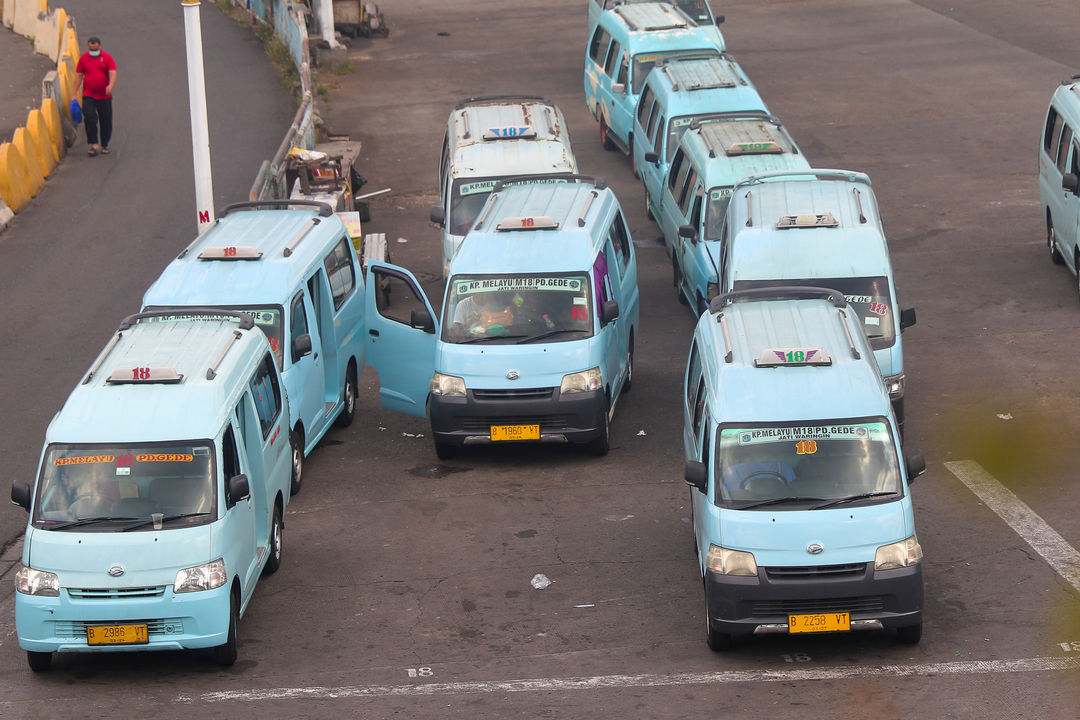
{"x": 1061, "y": 556}
{"x": 599, "y": 682}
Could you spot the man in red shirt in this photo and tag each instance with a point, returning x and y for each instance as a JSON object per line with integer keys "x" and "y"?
{"x": 95, "y": 73}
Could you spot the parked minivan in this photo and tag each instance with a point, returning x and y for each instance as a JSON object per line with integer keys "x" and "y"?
{"x": 539, "y": 322}
{"x": 676, "y": 94}
{"x": 488, "y": 139}
{"x": 629, "y": 40}
{"x": 698, "y": 10}
{"x": 712, "y": 155}
{"x": 802, "y": 515}
{"x": 160, "y": 496}
{"x": 1059, "y": 175}
{"x": 291, "y": 265}
{"x": 820, "y": 228}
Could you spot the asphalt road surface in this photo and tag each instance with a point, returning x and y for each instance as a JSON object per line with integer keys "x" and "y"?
{"x": 405, "y": 587}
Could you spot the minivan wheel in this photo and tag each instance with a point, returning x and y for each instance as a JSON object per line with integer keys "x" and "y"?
{"x": 296, "y": 440}
{"x": 1051, "y": 243}
{"x": 599, "y": 446}
{"x": 348, "y": 399}
{"x": 717, "y": 641}
{"x": 676, "y": 279}
{"x": 225, "y": 654}
{"x": 629, "y": 380}
{"x": 39, "y": 661}
{"x": 605, "y": 135}
{"x": 909, "y": 635}
{"x": 445, "y": 451}
{"x": 648, "y": 210}
{"x": 273, "y": 562}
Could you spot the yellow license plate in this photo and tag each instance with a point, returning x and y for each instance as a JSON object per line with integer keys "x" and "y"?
{"x": 819, "y": 622}
{"x": 115, "y": 634}
{"x": 515, "y": 432}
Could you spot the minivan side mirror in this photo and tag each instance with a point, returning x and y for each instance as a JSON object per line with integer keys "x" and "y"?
{"x": 916, "y": 464}
{"x": 239, "y": 489}
{"x": 422, "y": 319}
{"x": 301, "y": 346}
{"x": 20, "y": 495}
{"x": 618, "y": 88}
{"x": 1070, "y": 182}
{"x": 688, "y": 232}
{"x": 611, "y": 310}
{"x": 719, "y": 19}
{"x": 652, "y": 157}
{"x": 907, "y": 318}
{"x": 437, "y": 215}
{"x": 696, "y": 475}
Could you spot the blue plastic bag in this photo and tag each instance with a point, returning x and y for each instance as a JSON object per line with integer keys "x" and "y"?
{"x": 76, "y": 111}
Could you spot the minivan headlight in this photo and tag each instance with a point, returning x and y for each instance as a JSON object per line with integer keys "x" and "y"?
{"x": 447, "y": 385}
{"x": 584, "y": 381}
{"x": 905, "y": 553}
{"x": 42, "y": 583}
{"x": 895, "y": 385}
{"x": 730, "y": 562}
{"x": 201, "y": 577}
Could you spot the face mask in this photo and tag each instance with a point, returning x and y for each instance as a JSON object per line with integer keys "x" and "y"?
{"x": 95, "y": 53}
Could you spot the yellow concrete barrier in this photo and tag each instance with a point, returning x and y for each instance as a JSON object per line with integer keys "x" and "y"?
{"x": 14, "y": 183}
{"x": 66, "y": 70}
{"x": 24, "y": 143}
{"x": 39, "y": 131}
{"x": 51, "y": 113}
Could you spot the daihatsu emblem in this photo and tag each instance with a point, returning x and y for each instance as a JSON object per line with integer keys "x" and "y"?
{"x": 512, "y": 375}
{"x": 815, "y": 548}
{"x": 116, "y": 570}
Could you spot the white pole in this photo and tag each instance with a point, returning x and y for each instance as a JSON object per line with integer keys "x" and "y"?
{"x": 200, "y": 131}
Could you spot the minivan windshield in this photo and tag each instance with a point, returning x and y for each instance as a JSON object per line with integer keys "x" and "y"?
{"x": 111, "y": 488}
{"x": 801, "y": 467}
{"x": 867, "y": 296}
{"x": 544, "y": 307}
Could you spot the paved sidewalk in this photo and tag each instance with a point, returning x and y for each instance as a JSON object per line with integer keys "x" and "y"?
{"x": 20, "y": 84}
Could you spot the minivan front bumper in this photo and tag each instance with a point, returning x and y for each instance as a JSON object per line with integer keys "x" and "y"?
{"x": 760, "y": 605}
{"x": 574, "y": 417}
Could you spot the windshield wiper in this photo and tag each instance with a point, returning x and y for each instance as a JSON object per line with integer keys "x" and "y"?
{"x": 551, "y": 333}
{"x": 144, "y": 523}
{"x": 485, "y": 338}
{"x": 778, "y": 501}
{"x": 853, "y": 498}
{"x": 82, "y": 521}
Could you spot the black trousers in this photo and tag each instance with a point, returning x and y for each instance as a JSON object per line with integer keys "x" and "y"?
{"x": 97, "y": 112}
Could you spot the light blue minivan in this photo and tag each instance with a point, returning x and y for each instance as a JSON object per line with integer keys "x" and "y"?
{"x": 822, "y": 228}
{"x": 677, "y": 93}
{"x": 802, "y": 515}
{"x": 1059, "y": 175}
{"x": 712, "y": 155}
{"x": 291, "y": 265}
{"x": 160, "y": 496}
{"x": 698, "y": 10}
{"x": 629, "y": 40}
{"x": 538, "y": 325}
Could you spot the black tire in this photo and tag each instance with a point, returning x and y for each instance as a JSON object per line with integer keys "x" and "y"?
{"x": 605, "y": 136}
{"x": 296, "y": 443}
{"x": 39, "y": 661}
{"x": 910, "y": 635}
{"x": 702, "y": 305}
{"x": 277, "y": 526}
{"x": 445, "y": 451}
{"x": 717, "y": 641}
{"x": 628, "y": 383}
{"x": 1051, "y": 244}
{"x": 599, "y": 446}
{"x": 348, "y": 397}
{"x": 225, "y": 655}
{"x": 676, "y": 279}
{"x": 648, "y": 210}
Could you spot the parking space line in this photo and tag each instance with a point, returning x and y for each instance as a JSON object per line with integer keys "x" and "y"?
{"x": 1061, "y": 556}
{"x": 601, "y": 682}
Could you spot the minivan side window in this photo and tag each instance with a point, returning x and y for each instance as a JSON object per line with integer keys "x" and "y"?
{"x": 612, "y": 58}
{"x": 1063, "y": 147}
{"x": 1053, "y": 128}
{"x": 340, "y": 272}
{"x": 620, "y": 241}
{"x": 658, "y": 135}
{"x": 622, "y": 75}
{"x": 394, "y": 297}
{"x": 297, "y": 322}
{"x": 266, "y": 392}
{"x": 599, "y": 46}
{"x": 675, "y": 170}
{"x": 687, "y": 187}
{"x": 692, "y": 374}
{"x": 645, "y": 106}
{"x": 699, "y": 406}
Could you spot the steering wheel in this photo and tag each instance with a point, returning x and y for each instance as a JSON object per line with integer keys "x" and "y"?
{"x": 764, "y": 482}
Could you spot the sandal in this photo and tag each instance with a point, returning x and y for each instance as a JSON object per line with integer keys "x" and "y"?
{"x": 104, "y": 151}
{"x": 92, "y": 151}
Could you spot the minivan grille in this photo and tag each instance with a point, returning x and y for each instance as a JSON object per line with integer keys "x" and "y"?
{"x": 766, "y": 608}
{"x": 514, "y": 394}
{"x": 115, "y": 593}
{"x": 483, "y": 424}
{"x": 77, "y": 628}
{"x": 815, "y": 572}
